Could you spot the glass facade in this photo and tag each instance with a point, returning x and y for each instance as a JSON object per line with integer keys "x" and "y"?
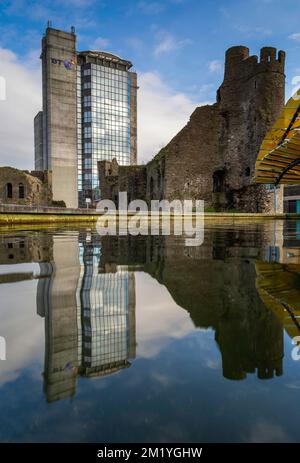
{"x": 103, "y": 315}
{"x": 79, "y": 134}
{"x": 104, "y": 116}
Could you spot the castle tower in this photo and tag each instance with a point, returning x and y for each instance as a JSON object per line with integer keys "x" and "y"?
{"x": 250, "y": 98}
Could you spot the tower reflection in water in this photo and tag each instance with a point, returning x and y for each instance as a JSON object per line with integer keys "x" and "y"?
{"x": 89, "y": 315}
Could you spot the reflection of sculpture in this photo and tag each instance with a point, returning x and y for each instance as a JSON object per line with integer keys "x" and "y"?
{"x": 89, "y": 316}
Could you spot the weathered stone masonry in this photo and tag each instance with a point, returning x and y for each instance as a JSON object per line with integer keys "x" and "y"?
{"x": 114, "y": 178}
{"x": 213, "y": 156}
{"x": 25, "y": 188}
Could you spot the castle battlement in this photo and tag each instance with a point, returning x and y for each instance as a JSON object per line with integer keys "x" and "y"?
{"x": 269, "y": 55}
{"x": 239, "y": 64}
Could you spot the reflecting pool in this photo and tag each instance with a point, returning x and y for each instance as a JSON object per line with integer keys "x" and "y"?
{"x": 143, "y": 339}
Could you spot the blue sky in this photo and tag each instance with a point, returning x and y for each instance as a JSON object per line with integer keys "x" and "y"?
{"x": 177, "y": 46}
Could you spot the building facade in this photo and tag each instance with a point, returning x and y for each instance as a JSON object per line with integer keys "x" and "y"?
{"x": 213, "y": 157}
{"x": 60, "y": 113}
{"x": 25, "y": 188}
{"x": 89, "y": 115}
{"x": 106, "y": 102}
{"x": 292, "y": 199}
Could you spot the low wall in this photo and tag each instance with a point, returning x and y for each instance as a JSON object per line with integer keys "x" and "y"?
{"x": 15, "y": 214}
{"x": 17, "y": 209}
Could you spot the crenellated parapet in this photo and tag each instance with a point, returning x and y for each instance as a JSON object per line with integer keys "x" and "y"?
{"x": 240, "y": 64}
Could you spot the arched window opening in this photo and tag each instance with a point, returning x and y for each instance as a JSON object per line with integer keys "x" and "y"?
{"x": 218, "y": 181}
{"x": 21, "y": 191}
{"x": 9, "y": 190}
{"x": 247, "y": 171}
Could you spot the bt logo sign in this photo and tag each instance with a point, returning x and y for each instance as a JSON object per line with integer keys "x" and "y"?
{"x": 68, "y": 64}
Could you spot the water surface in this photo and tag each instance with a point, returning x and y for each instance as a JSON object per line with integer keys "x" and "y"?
{"x": 142, "y": 339}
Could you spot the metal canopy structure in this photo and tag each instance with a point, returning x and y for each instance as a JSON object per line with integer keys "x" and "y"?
{"x": 278, "y": 161}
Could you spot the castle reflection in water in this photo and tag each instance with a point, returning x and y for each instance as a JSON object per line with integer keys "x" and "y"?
{"x": 239, "y": 283}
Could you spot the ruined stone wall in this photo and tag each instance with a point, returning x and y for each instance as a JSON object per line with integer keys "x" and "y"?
{"x": 108, "y": 173}
{"x": 114, "y": 178}
{"x": 184, "y": 168}
{"x": 36, "y": 187}
{"x": 257, "y": 198}
{"x": 213, "y": 156}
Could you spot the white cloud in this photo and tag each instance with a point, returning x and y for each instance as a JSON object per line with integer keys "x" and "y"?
{"x": 253, "y": 32}
{"x": 136, "y": 43}
{"x": 150, "y": 7}
{"x": 59, "y": 12}
{"x": 23, "y": 101}
{"x": 295, "y": 36}
{"x": 78, "y": 3}
{"x": 100, "y": 43}
{"x": 161, "y": 114}
{"x": 157, "y": 314}
{"x": 215, "y": 66}
{"x": 22, "y": 329}
{"x": 169, "y": 43}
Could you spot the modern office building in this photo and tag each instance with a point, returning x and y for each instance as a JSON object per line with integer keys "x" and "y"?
{"x": 59, "y": 114}
{"x": 106, "y": 107}
{"x": 89, "y": 114}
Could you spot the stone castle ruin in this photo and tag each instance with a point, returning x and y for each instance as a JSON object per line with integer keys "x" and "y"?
{"x": 213, "y": 157}
{"x": 24, "y": 188}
